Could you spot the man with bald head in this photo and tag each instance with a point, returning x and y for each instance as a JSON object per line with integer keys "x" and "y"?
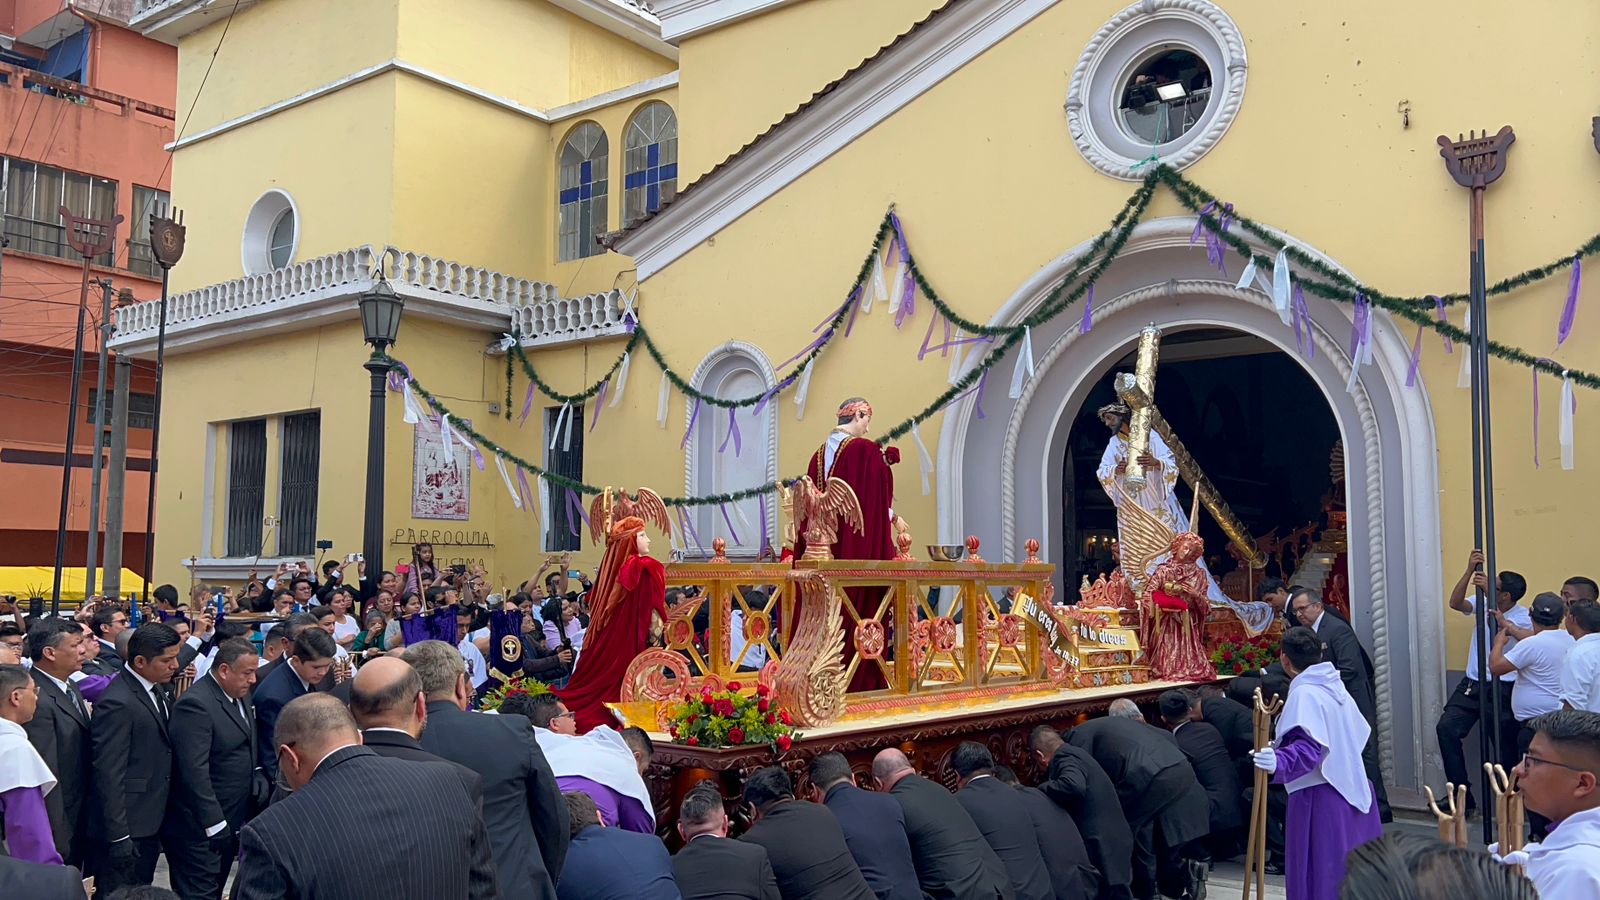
{"x": 953, "y": 860}
{"x": 320, "y": 755}
{"x": 387, "y": 702}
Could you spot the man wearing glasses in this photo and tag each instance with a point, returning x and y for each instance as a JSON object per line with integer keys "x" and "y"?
{"x": 1558, "y": 780}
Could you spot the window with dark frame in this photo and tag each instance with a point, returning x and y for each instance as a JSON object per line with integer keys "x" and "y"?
{"x": 565, "y": 458}
{"x": 297, "y": 493}
{"x": 33, "y": 196}
{"x": 141, "y": 408}
{"x": 247, "y": 486}
{"x": 141, "y": 258}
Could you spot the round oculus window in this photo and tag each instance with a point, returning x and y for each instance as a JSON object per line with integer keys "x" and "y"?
{"x": 271, "y": 234}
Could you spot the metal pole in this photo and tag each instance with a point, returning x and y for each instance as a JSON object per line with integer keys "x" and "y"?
{"x": 116, "y": 487}
{"x": 372, "y": 533}
{"x": 1480, "y": 348}
{"x": 99, "y": 436}
{"x": 71, "y": 444}
{"x": 1480, "y": 619}
{"x": 155, "y": 443}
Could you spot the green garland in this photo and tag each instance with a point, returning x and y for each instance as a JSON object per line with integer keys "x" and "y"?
{"x": 1102, "y": 251}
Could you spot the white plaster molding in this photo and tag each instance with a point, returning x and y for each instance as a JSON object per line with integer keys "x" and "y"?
{"x": 692, "y": 477}
{"x": 1405, "y": 543}
{"x": 548, "y": 321}
{"x": 1103, "y": 68}
{"x": 902, "y": 73}
{"x": 687, "y": 18}
{"x": 555, "y": 114}
{"x": 625, "y": 18}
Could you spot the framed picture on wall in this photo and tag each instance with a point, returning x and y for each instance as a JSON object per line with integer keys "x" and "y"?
{"x": 441, "y": 482}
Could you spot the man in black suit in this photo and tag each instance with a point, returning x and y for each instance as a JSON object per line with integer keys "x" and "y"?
{"x": 108, "y": 622}
{"x": 307, "y": 664}
{"x": 1342, "y": 648}
{"x": 1077, "y": 784}
{"x": 388, "y": 704}
{"x": 874, "y": 828}
{"x": 993, "y": 808}
{"x": 522, "y": 806}
{"x": 612, "y": 863}
{"x": 803, "y": 841}
{"x": 432, "y": 843}
{"x": 59, "y": 730}
{"x": 289, "y": 629}
{"x": 1208, "y": 756}
{"x": 133, "y": 761}
{"x": 1165, "y": 806}
{"x": 1066, "y": 858}
{"x": 953, "y": 860}
{"x": 1232, "y": 719}
{"x": 220, "y": 784}
{"x": 35, "y": 881}
{"x": 711, "y": 867}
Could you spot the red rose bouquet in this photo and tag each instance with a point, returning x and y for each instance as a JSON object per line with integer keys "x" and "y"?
{"x": 532, "y": 687}
{"x": 729, "y": 718}
{"x": 1249, "y": 655}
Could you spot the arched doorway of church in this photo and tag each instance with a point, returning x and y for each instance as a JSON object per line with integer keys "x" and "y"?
{"x": 1261, "y": 430}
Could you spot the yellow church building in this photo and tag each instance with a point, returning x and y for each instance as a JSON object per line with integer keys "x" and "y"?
{"x": 701, "y": 224}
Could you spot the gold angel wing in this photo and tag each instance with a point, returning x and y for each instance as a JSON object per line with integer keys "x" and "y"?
{"x": 598, "y": 526}
{"x": 646, "y": 504}
{"x": 840, "y": 499}
{"x": 649, "y": 507}
{"x": 1144, "y": 538}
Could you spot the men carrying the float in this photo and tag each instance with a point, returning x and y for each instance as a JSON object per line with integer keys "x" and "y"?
{"x": 1317, "y": 755}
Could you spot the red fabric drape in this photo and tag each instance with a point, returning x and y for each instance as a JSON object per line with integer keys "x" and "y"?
{"x": 614, "y": 639}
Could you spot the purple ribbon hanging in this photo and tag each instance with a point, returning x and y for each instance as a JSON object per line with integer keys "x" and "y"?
{"x": 398, "y": 377}
{"x": 733, "y": 434}
{"x": 776, "y": 390}
{"x": 908, "y": 283}
{"x": 806, "y": 351}
{"x": 629, "y": 323}
{"x": 1216, "y": 251}
{"x": 694, "y": 416}
{"x": 686, "y": 525}
{"x": 1200, "y": 221}
{"x": 1299, "y": 334}
{"x": 1570, "y": 312}
{"x": 1303, "y": 313}
{"x": 599, "y": 404}
{"x": 527, "y": 404}
{"x": 525, "y": 490}
{"x": 1360, "y": 328}
{"x": 1438, "y": 310}
{"x": 1416, "y": 359}
{"x": 927, "y": 339}
{"x": 977, "y": 400}
{"x": 732, "y": 532}
{"x": 1087, "y": 325}
{"x": 855, "y": 307}
{"x": 766, "y": 536}
{"x": 575, "y": 512}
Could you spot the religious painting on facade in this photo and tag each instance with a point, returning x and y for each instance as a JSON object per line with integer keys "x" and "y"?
{"x": 441, "y": 482}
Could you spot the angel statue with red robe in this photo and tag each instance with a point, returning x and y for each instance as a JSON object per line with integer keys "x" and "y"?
{"x": 1175, "y": 612}
{"x": 629, "y": 604}
{"x": 849, "y": 455}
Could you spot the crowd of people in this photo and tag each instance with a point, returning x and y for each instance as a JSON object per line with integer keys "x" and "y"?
{"x": 244, "y": 737}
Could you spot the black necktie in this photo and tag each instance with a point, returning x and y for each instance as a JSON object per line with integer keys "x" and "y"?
{"x": 161, "y": 701}
{"x": 77, "y": 699}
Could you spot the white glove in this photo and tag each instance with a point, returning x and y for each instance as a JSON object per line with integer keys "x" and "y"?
{"x": 1265, "y": 759}
{"x": 1514, "y": 858}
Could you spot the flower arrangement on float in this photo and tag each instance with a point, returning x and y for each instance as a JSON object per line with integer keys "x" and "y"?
{"x": 521, "y": 685}
{"x": 1251, "y": 654}
{"x": 729, "y": 718}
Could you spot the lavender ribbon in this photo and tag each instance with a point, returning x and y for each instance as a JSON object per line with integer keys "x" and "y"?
{"x": 525, "y": 490}
{"x": 1416, "y": 359}
{"x": 686, "y": 525}
{"x": 733, "y": 434}
{"x": 599, "y": 403}
{"x": 629, "y": 323}
{"x": 575, "y": 513}
{"x": 1087, "y": 325}
{"x": 694, "y": 416}
{"x": 977, "y": 400}
{"x": 1216, "y": 252}
{"x": 732, "y": 532}
{"x": 767, "y": 397}
{"x": 1299, "y": 335}
{"x": 1438, "y": 310}
{"x": 527, "y": 404}
{"x": 1200, "y": 221}
{"x": 1360, "y": 328}
{"x": 1570, "y": 311}
{"x": 398, "y": 377}
{"x": 1302, "y": 312}
{"x": 908, "y": 284}
{"x": 805, "y": 351}
{"x": 855, "y": 306}
{"x": 927, "y": 339}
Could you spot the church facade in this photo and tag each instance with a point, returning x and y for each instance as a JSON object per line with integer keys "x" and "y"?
{"x": 995, "y": 142}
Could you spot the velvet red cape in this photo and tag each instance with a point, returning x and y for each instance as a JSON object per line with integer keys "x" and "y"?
{"x": 609, "y": 648}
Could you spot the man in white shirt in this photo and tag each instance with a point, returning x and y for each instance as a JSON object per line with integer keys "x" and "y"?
{"x": 1558, "y": 778}
{"x": 1460, "y": 714}
{"x": 1538, "y": 659}
{"x": 1580, "y": 678}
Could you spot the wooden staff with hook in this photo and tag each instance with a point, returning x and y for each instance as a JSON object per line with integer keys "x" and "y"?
{"x": 1255, "y": 855}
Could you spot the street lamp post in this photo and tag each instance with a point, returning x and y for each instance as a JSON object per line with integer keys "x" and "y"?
{"x": 380, "y": 323}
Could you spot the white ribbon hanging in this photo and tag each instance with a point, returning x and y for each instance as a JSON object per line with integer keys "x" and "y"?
{"x": 506, "y": 342}
{"x": 1024, "y": 367}
{"x": 1568, "y": 403}
{"x": 544, "y": 506}
{"x": 445, "y": 435}
{"x": 1362, "y": 357}
{"x": 1464, "y": 379}
{"x": 561, "y": 418}
{"x": 413, "y": 411}
{"x": 1281, "y": 287}
{"x": 898, "y": 296}
{"x": 663, "y": 401}
{"x": 516, "y": 499}
{"x": 1248, "y": 276}
{"x": 622, "y": 380}
{"x": 734, "y": 509}
{"x": 880, "y": 289}
{"x": 803, "y": 391}
{"x": 924, "y": 460}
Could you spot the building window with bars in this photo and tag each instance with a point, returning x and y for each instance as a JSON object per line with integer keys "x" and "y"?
{"x": 146, "y": 202}
{"x": 297, "y": 492}
{"x": 584, "y": 157}
{"x": 247, "y": 486}
{"x": 34, "y": 195}
{"x": 141, "y": 408}
{"x": 650, "y": 158}
{"x": 563, "y": 440}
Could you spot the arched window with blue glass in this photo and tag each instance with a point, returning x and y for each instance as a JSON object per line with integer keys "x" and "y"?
{"x": 584, "y": 157}
{"x": 650, "y": 156}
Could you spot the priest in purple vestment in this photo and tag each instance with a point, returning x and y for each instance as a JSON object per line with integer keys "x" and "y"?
{"x": 1317, "y": 756}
